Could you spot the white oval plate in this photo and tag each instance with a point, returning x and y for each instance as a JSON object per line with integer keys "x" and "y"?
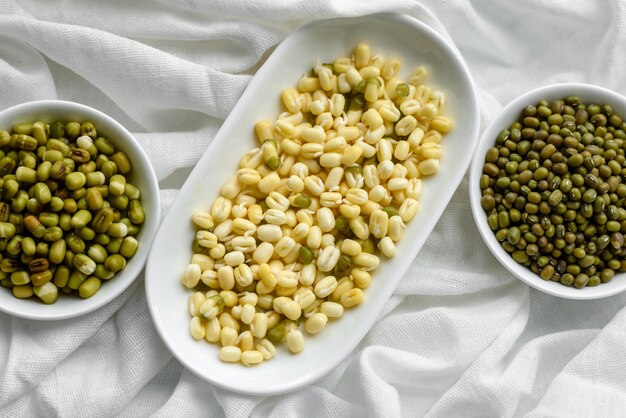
{"x": 390, "y": 35}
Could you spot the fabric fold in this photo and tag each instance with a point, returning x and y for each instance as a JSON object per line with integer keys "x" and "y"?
{"x": 459, "y": 337}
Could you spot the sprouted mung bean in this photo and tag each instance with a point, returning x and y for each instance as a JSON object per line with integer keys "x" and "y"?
{"x": 292, "y": 239}
{"x": 68, "y": 212}
{"x": 553, "y": 192}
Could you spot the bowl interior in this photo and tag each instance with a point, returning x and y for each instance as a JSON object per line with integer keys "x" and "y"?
{"x": 142, "y": 176}
{"x": 389, "y": 35}
{"x": 508, "y": 115}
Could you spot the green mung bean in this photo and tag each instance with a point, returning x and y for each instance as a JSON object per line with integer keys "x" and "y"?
{"x": 49, "y": 218}
{"x": 102, "y": 239}
{"x": 103, "y": 220}
{"x": 117, "y": 230}
{"x": 553, "y": 193}
{"x": 300, "y": 201}
{"x": 61, "y": 276}
{"x": 123, "y": 163}
{"x": 89, "y": 287}
{"x": 20, "y": 277}
{"x": 102, "y": 273}
{"x": 129, "y": 247}
{"x": 119, "y": 202}
{"x": 23, "y": 291}
{"x": 86, "y": 233}
{"x": 40, "y": 278}
{"x": 114, "y": 246}
{"x": 115, "y": 262}
{"x": 109, "y": 169}
{"x": 94, "y": 199}
{"x": 76, "y": 279}
{"x": 19, "y": 201}
{"x": 132, "y": 192}
{"x": 42, "y": 249}
{"x": 62, "y": 188}
{"x": 305, "y": 255}
{"x": 53, "y": 233}
{"x": 87, "y": 128}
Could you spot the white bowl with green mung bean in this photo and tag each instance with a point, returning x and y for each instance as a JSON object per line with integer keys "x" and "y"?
{"x": 294, "y": 228}
{"x": 547, "y": 190}
{"x": 79, "y": 207}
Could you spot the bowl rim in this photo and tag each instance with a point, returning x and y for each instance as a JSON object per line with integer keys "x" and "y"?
{"x": 149, "y": 228}
{"x": 312, "y": 377}
{"x": 507, "y": 115}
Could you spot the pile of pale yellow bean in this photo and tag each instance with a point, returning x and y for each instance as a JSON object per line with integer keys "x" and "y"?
{"x": 292, "y": 238}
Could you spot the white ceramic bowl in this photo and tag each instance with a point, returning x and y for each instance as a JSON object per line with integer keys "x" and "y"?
{"x": 142, "y": 176}
{"x": 390, "y": 35}
{"x": 508, "y": 115}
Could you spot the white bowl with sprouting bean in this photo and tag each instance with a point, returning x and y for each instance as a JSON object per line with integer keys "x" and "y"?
{"x": 79, "y": 207}
{"x": 310, "y": 204}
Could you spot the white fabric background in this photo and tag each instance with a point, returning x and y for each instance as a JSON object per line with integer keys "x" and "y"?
{"x": 460, "y": 337}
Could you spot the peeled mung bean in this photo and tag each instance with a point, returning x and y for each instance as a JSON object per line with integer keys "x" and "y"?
{"x": 266, "y": 348}
{"x": 293, "y": 235}
{"x": 228, "y": 336}
{"x": 295, "y": 341}
{"x": 245, "y": 341}
{"x": 48, "y": 293}
{"x": 230, "y": 354}
{"x": 332, "y": 309}
{"x": 316, "y": 323}
{"x": 251, "y": 357}
{"x": 23, "y": 291}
